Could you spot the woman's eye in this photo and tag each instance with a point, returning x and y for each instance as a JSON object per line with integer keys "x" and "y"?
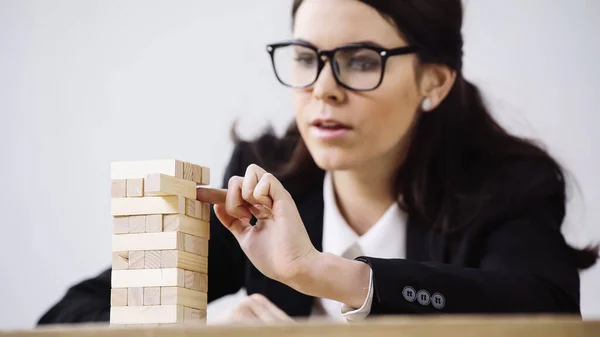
{"x": 305, "y": 59}
{"x": 363, "y": 63}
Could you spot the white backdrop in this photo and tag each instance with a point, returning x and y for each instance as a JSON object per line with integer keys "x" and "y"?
{"x": 84, "y": 83}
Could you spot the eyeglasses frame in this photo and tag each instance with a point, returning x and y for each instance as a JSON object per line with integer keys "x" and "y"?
{"x": 329, "y": 54}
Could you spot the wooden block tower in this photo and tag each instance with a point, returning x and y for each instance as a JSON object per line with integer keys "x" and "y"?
{"x": 159, "y": 244}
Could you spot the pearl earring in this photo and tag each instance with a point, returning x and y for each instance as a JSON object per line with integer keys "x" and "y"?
{"x": 426, "y": 105}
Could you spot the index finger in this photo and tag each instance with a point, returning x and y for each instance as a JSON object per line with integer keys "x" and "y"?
{"x": 211, "y": 195}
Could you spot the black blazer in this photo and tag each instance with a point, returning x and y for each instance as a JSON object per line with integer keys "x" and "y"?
{"x": 513, "y": 259}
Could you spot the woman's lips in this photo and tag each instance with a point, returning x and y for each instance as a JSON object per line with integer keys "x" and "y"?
{"x": 328, "y": 129}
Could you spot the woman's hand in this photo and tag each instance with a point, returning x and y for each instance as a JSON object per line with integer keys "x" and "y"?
{"x": 278, "y": 244}
{"x": 255, "y": 309}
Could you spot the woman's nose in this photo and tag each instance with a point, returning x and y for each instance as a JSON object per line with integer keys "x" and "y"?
{"x": 326, "y": 88}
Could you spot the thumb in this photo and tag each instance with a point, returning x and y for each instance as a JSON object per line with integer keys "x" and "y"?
{"x": 236, "y": 226}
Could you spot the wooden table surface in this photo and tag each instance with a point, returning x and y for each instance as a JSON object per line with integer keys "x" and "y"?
{"x": 397, "y": 326}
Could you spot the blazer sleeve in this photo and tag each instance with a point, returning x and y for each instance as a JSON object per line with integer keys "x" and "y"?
{"x": 523, "y": 266}
{"x": 86, "y": 301}
{"x": 89, "y": 300}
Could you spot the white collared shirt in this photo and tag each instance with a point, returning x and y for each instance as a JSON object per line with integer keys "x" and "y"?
{"x": 386, "y": 239}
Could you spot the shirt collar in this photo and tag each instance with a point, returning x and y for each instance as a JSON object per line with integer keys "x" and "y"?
{"x": 386, "y": 239}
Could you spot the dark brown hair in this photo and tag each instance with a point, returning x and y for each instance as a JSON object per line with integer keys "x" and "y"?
{"x": 455, "y": 148}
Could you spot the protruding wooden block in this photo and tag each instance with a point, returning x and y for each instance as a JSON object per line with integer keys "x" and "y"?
{"x": 157, "y": 314}
{"x": 186, "y": 224}
{"x": 148, "y": 241}
{"x": 152, "y": 296}
{"x": 195, "y": 281}
{"x": 195, "y": 245}
{"x": 205, "y": 175}
{"x": 140, "y": 169}
{"x": 161, "y": 184}
{"x": 118, "y": 297}
{"x": 137, "y": 224}
{"x": 148, "y": 205}
{"x": 165, "y": 277}
{"x": 136, "y": 260}
{"x": 182, "y": 296}
{"x": 154, "y": 223}
{"x": 120, "y": 225}
{"x": 135, "y": 187}
{"x": 135, "y": 297}
{"x": 120, "y": 260}
{"x": 152, "y": 259}
{"x": 184, "y": 260}
{"x": 118, "y": 188}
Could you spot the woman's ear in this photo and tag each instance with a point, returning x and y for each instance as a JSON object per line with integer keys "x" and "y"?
{"x": 436, "y": 82}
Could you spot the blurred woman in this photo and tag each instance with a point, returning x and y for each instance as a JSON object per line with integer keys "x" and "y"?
{"x": 394, "y": 191}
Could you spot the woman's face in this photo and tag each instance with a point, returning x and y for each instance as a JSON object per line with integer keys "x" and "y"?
{"x": 344, "y": 129}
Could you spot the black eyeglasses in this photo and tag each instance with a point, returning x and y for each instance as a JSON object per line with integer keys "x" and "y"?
{"x": 358, "y": 67}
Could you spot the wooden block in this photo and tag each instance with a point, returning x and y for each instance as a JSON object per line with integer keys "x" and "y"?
{"x": 161, "y": 184}
{"x": 148, "y": 205}
{"x": 135, "y": 188}
{"x": 205, "y": 215}
{"x": 165, "y": 277}
{"x": 195, "y": 245}
{"x": 182, "y": 205}
{"x": 152, "y": 296}
{"x": 192, "y": 172}
{"x": 120, "y": 225}
{"x": 137, "y": 224}
{"x": 120, "y": 260}
{"x": 188, "y": 171}
{"x": 184, "y": 297}
{"x": 154, "y": 223}
{"x": 200, "y": 282}
{"x": 186, "y": 224}
{"x": 205, "y": 175}
{"x": 118, "y": 188}
{"x": 197, "y": 174}
{"x": 155, "y": 314}
{"x": 135, "y": 297}
{"x": 148, "y": 241}
{"x": 140, "y": 169}
{"x": 152, "y": 259}
{"x": 168, "y": 259}
{"x": 184, "y": 260}
{"x": 194, "y": 316}
{"x": 193, "y": 208}
{"x": 188, "y": 279}
{"x": 195, "y": 281}
{"x": 118, "y": 297}
{"x": 136, "y": 260}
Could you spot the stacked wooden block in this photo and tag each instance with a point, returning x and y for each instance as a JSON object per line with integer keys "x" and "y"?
{"x": 160, "y": 243}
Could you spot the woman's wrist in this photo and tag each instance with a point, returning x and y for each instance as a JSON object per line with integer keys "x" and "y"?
{"x": 330, "y": 276}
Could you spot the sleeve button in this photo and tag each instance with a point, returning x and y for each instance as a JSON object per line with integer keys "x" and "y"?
{"x": 409, "y": 294}
{"x": 438, "y": 301}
